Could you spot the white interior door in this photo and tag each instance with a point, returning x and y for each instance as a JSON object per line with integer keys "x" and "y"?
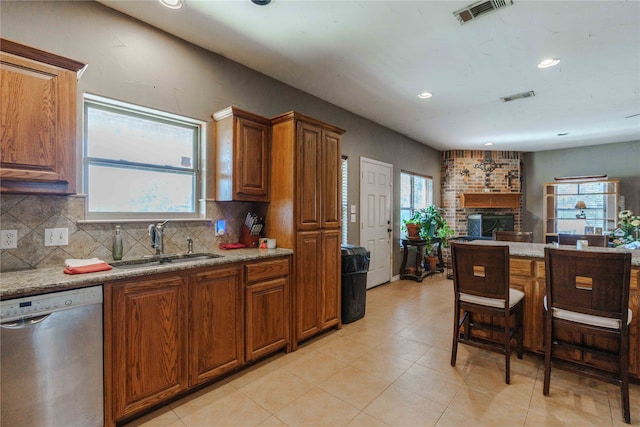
{"x": 376, "y": 182}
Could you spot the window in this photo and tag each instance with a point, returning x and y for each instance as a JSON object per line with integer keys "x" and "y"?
{"x": 139, "y": 163}
{"x": 416, "y": 192}
{"x": 345, "y": 200}
{"x": 599, "y": 211}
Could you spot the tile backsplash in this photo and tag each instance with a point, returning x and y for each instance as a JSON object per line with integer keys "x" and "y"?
{"x": 31, "y": 215}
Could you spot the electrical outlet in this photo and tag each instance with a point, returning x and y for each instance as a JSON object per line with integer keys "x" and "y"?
{"x": 56, "y": 236}
{"x": 8, "y": 239}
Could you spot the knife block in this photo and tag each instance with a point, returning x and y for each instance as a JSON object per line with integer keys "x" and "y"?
{"x": 247, "y": 239}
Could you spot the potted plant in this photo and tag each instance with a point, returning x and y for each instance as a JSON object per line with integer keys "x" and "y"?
{"x": 412, "y": 226}
{"x": 434, "y": 229}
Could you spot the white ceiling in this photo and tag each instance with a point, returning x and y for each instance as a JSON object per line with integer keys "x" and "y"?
{"x": 374, "y": 57}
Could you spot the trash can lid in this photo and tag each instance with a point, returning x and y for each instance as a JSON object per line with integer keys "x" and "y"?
{"x": 349, "y": 249}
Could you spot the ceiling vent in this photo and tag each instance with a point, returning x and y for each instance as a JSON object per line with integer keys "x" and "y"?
{"x": 480, "y": 8}
{"x": 522, "y": 95}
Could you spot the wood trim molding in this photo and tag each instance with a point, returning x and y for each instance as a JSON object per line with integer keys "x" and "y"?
{"x": 490, "y": 200}
{"x": 35, "y": 54}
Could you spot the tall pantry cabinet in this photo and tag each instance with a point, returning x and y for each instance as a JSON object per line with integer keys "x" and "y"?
{"x": 304, "y": 214}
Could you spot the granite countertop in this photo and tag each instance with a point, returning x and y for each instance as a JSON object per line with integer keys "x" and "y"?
{"x": 44, "y": 280}
{"x": 536, "y": 250}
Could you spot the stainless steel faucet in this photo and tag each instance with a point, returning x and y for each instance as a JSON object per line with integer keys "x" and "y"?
{"x": 157, "y": 234}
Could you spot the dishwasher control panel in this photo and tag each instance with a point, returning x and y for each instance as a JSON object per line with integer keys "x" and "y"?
{"x": 39, "y": 305}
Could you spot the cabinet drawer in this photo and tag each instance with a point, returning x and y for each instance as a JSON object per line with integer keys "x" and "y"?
{"x": 267, "y": 270}
{"x": 522, "y": 267}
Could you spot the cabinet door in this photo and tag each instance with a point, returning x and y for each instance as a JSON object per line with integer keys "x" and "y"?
{"x": 308, "y": 176}
{"x": 309, "y": 279}
{"x": 216, "y": 326}
{"x": 331, "y": 176}
{"x": 147, "y": 333}
{"x": 267, "y": 316}
{"x": 331, "y": 277}
{"x": 37, "y": 147}
{"x": 251, "y": 161}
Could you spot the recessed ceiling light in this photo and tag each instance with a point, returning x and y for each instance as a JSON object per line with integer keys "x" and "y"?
{"x": 546, "y": 63}
{"x": 172, "y": 4}
{"x": 563, "y": 134}
{"x": 425, "y": 95}
{"x": 488, "y": 144}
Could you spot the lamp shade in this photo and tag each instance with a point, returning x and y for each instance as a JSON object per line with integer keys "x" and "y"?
{"x": 581, "y": 205}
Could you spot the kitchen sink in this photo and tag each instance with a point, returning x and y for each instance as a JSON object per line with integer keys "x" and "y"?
{"x": 154, "y": 260}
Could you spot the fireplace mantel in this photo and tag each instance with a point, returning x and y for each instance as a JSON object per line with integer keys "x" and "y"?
{"x": 490, "y": 200}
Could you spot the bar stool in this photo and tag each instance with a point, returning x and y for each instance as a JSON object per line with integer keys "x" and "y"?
{"x": 481, "y": 284}
{"x": 587, "y": 316}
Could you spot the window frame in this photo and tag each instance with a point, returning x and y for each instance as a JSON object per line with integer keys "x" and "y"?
{"x": 132, "y": 110}
{"x": 412, "y": 205}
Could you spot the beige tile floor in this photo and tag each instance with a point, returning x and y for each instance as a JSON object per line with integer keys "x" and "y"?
{"x": 391, "y": 368}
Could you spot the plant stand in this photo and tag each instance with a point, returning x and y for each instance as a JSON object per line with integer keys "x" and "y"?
{"x": 419, "y": 273}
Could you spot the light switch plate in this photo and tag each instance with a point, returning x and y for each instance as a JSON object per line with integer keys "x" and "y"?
{"x": 56, "y": 236}
{"x": 221, "y": 227}
{"x": 8, "y": 239}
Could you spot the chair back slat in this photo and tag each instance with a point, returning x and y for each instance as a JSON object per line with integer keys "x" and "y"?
{"x": 481, "y": 270}
{"x": 513, "y": 236}
{"x": 594, "y": 283}
{"x": 593, "y": 239}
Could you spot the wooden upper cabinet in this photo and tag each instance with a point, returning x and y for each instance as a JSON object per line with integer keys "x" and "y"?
{"x": 318, "y": 162}
{"x": 330, "y": 214}
{"x": 38, "y": 121}
{"x": 241, "y": 156}
{"x": 309, "y": 179}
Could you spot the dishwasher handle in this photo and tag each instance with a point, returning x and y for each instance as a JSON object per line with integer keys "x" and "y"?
{"x": 24, "y": 323}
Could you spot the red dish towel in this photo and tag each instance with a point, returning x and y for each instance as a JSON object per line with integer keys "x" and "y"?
{"x": 231, "y": 245}
{"x": 101, "y": 266}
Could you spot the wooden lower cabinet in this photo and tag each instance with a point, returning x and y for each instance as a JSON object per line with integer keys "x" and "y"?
{"x": 145, "y": 343}
{"x": 331, "y": 279}
{"x": 267, "y": 301}
{"x": 216, "y": 327}
{"x": 167, "y": 333}
{"x": 318, "y": 282}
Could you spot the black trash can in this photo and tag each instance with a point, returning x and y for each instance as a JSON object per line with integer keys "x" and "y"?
{"x": 355, "y": 265}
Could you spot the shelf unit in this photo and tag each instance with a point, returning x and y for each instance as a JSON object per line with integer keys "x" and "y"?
{"x": 560, "y": 214}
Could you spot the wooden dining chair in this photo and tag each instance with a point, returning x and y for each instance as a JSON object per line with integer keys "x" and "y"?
{"x": 593, "y": 239}
{"x": 587, "y": 316}
{"x": 513, "y": 236}
{"x": 481, "y": 284}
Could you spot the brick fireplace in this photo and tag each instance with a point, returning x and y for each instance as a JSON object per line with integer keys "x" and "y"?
{"x": 475, "y": 171}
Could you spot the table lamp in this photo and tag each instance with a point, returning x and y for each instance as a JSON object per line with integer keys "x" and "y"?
{"x": 582, "y": 206}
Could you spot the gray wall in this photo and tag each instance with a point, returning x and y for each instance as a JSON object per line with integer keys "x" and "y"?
{"x": 133, "y": 62}
{"x": 621, "y": 160}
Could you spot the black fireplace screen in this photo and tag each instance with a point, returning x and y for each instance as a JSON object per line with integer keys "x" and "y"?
{"x": 484, "y": 225}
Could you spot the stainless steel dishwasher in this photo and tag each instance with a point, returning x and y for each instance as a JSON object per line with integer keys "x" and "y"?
{"x": 51, "y": 359}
